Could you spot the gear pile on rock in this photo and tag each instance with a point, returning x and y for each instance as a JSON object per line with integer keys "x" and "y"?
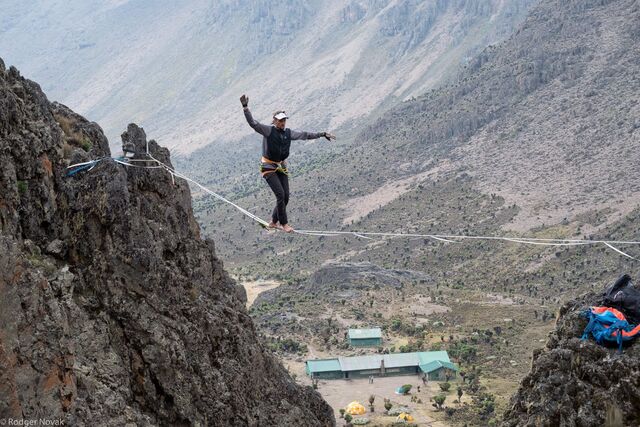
{"x": 113, "y": 309}
{"x": 575, "y": 382}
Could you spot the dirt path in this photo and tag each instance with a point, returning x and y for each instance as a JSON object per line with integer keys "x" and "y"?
{"x": 256, "y": 287}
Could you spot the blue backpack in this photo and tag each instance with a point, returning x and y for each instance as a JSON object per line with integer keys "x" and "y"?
{"x": 608, "y": 325}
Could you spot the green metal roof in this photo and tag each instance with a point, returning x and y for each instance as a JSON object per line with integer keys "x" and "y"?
{"x": 326, "y": 365}
{"x": 437, "y": 364}
{"x": 358, "y": 334}
{"x": 430, "y": 356}
{"x": 393, "y": 360}
{"x": 373, "y": 361}
{"x": 430, "y": 360}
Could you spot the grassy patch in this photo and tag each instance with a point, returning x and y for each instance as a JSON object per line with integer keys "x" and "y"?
{"x": 72, "y": 136}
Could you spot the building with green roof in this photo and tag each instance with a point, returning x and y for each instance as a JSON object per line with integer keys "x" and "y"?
{"x": 324, "y": 368}
{"x": 365, "y": 337}
{"x": 435, "y": 364}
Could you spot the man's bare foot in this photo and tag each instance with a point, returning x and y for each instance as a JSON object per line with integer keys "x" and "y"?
{"x": 273, "y": 225}
{"x": 286, "y": 228}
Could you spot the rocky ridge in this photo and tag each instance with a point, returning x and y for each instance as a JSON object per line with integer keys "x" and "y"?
{"x": 113, "y": 309}
{"x": 578, "y": 383}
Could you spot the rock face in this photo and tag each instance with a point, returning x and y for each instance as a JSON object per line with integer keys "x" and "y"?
{"x": 113, "y": 310}
{"x": 578, "y": 383}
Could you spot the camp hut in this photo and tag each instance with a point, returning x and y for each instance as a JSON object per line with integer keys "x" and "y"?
{"x": 365, "y": 337}
{"x": 380, "y": 365}
{"x": 324, "y": 369}
{"x": 437, "y": 366}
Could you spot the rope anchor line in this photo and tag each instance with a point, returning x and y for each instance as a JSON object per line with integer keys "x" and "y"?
{"x": 444, "y": 238}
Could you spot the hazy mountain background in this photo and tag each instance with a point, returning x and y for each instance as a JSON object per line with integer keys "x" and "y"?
{"x": 547, "y": 122}
{"x": 178, "y": 68}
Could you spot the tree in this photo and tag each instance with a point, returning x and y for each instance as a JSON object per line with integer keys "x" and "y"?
{"x": 348, "y": 419}
{"x": 460, "y": 393}
{"x": 342, "y": 411}
{"x": 387, "y": 405}
{"x": 439, "y": 401}
{"x": 485, "y": 402}
{"x": 445, "y": 386}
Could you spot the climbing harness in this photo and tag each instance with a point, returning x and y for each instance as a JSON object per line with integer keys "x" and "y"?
{"x": 446, "y": 238}
{"x": 269, "y": 166}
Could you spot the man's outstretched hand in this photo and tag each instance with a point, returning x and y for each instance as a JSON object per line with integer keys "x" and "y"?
{"x": 329, "y": 136}
{"x": 244, "y": 100}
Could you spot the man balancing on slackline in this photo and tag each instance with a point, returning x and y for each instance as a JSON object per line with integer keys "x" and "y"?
{"x": 276, "y": 142}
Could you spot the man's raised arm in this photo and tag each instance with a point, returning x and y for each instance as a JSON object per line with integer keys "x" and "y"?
{"x": 264, "y": 130}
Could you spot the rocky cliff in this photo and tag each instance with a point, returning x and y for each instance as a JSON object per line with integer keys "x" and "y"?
{"x": 578, "y": 383}
{"x": 113, "y": 309}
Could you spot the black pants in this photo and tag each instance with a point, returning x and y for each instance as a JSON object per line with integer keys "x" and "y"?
{"x": 279, "y": 184}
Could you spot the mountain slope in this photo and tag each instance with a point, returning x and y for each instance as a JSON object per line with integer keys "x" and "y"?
{"x": 113, "y": 309}
{"x": 179, "y": 68}
{"x": 547, "y": 122}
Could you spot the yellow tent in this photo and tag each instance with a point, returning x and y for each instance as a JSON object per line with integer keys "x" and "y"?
{"x": 355, "y": 408}
{"x": 404, "y": 416}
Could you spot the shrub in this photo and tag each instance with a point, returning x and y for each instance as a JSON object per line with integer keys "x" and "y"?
{"x": 86, "y": 144}
{"x": 485, "y": 402}
{"x": 22, "y": 187}
{"x": 405, "y": 389}
{"x": 399, "y": 410}
{"x": 436, "y": 346}
{"x": 463, "y": 351}
{"x": 439, "y": 401}
{"x": 445, "y": 386}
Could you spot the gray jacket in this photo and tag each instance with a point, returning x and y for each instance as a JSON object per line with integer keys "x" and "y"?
{"x": 276, "y": 142}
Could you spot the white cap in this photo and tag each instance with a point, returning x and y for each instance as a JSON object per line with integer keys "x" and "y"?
{"x": 279, "y": 115}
